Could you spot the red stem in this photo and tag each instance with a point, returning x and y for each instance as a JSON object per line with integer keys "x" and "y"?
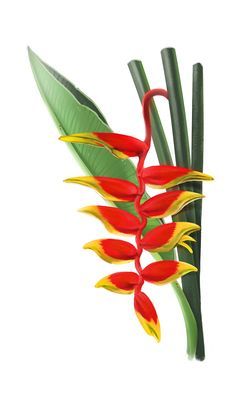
{"x": 141, "y": 189}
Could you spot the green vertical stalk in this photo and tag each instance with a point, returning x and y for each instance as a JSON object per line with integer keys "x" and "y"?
{"x": 158, "y": 134}
{"x": 177, "y": 110}
{"x": 197, "y": 164}
{"x": 197, "y": 133}
{"x": 190, "y": 321}
{"x": 190, "y": 282}
{"x": 141, "y": 83}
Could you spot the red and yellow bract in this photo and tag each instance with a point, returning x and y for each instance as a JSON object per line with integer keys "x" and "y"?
{"x": 110, "y": 188}
{"x": 121, "y": 282}
{"x": 147, "y": 315}
{"x": 167, "y": 236}
{"x": 122, "y": 146}
{"x": 166, "y": 176}
{"x": 113, "y": 250}
{"x": 115, "y": 220}
{"x": 164, "y": 272}
{"x": 168, "y": 203}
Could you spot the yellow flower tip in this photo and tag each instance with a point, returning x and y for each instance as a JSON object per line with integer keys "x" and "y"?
{"x": 69, "y": 180}
{"x": 199, "y": 195}
{"x": 100, "y": 283}
{"x": 188, "y": 227}
{"x": 185, "y": 245}
{"x": 66, "y": 138}
{"x": 184, "y": 268}
{"x": 209, "y": 177}
{"x": 202, "y": 176}
{"x": 91, "y": 245}
{"x": 87, "y": 209}
{"x": 87, "y": 246}
{"x": 193, "y": 269}
{"x": 194, "y": 227}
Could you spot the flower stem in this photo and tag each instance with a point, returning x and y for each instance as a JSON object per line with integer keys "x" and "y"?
{"x": 141, "y": 188}
{"x": 190, "y": 321}
{"x": 158, "y": 135}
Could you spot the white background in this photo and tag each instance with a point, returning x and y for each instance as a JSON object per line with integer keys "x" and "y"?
{"x": 57, "y": 332}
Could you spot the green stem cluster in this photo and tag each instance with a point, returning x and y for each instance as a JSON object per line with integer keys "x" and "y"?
{"x": 190, "y": 283}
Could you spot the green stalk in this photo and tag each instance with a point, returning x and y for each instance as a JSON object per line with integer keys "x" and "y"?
{"x": 177, "y": 110}
{"x": 159, "y": 139}
{"x": 190, "y": 282}
{"x": 197, "y": 133}
{"x": 197, "y": 163}
{"x": 164, "y": 156}
{"x": 190, "y": 321}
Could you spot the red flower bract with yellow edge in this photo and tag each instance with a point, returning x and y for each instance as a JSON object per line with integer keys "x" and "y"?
{"x": 110, "y": 188}
{"x": 121, "y": 282}
{"x": 113, "y": 250}
{"x": 115, "y": 220}
{"x": 168, "y": 203}
{"x": 147, "y": 315}
{"x": 166, "y": 176}
{"x": 122, "y": 146}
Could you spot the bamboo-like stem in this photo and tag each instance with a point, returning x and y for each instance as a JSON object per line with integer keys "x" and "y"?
{"x": 190, "y": 282}
{"x": 141, "y": 83}
{"x": 197, "y": 164}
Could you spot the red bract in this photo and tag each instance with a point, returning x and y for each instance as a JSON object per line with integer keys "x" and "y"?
{"x": 110, "y": 188}
{"x": 113, "y": 250}
{"x": 166, "y": 176}
{"x": 122, "y": 146}
{"x": 122, "y": 282}
{"x": 147, "y": 315}
{"x": 163, "y": 272}
{"x": 115, "y": 220}
{"x": 167, "y": 236}
{"x": 168, "y": 203}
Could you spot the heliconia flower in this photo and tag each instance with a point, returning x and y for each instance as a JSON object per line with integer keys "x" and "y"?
{"x": 115, "y": 220}
{"x": 147, "y": 315}
{"x": 113, "y": 250}
{"x": 122, "y": 282}
{"x": 110, "y": 188}
{"x": 166, "y": 176}
{"x": 163, "y": 272}
{"x": 167, "y": 236}
{"x": 168, "y": 203}
{"x": 122, "y": 146}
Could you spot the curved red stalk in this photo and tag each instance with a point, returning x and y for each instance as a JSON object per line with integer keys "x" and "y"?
{"x": 141, "y": 185}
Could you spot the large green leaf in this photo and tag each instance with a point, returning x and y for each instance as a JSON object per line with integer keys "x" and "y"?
{"x": 74, "y": 112}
